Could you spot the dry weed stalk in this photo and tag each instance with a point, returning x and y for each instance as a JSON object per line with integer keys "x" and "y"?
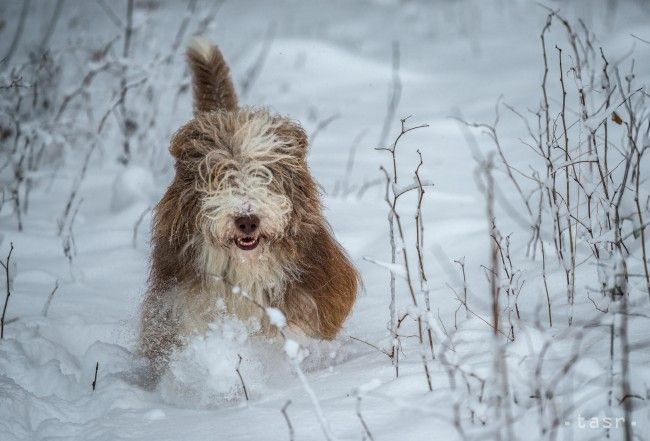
{"x": 40, "y": 116}
{"x": 254, "y": 70}
{"x": 397, "y": 238}
{"x": 6, "y": 264}
{"x": 241, "y": 379}
{"x": 94, "y": 383}
{"x": 590, "y": 190}
{"x": 50, "y": 297}
{"x": 292, "y": 435}
{"x": 585, "y": 204}
{"x": 366, "y": 429}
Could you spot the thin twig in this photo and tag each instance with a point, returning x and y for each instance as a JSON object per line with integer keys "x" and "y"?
{"x": 395, "y": 95}
{"x": 366, "y": 429}
{"x": 253, "y": 72}
{"x": 241, "y": 379}
{"x": 286, "y": 418}
{"x": 52, "y": 24}
{"x": 112, "y": 16}
{"x": 94, "y": 383}
{"x": 136, "y": 227}
{"x": 46, "y": 307}
{"x": 4, "y": 62}
{"x": 322, "y": 125}
{"x": 386, "y": 353}
{"x": 128, "y": 32}
{"x": 6, "y": 265}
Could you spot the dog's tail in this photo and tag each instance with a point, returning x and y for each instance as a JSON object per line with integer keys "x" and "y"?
{"x": 212, "y": 86}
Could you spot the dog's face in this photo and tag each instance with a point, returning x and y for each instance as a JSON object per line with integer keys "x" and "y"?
{"x": 248, "y": 170}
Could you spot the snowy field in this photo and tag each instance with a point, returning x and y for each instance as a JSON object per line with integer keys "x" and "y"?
{"x": 569, "y": 358}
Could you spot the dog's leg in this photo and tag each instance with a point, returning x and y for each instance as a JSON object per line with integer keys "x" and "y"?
{"x": 158, "y": 333}
{"x": 323, "y": 297}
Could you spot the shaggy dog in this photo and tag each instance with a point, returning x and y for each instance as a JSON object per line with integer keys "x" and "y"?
{"x": 241, "y": 217}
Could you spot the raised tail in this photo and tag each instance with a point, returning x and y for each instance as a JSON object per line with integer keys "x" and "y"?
{"x": 211, "y": 83}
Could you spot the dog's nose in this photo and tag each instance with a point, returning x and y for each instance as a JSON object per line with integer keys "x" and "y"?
{"x": 247, "y": 224}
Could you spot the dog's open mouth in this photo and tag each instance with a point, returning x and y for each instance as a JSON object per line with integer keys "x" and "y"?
{"x": 247, "y": 243}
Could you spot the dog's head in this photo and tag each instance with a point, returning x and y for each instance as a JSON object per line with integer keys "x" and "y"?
{"x": 248, "y": 169}
{"x": 242, "y": 182}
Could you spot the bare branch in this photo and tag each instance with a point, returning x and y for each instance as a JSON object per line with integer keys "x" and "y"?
{"x": 6, "y": 265}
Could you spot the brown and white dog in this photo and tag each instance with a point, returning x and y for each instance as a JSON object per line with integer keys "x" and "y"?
{"x": 242, "y": 211}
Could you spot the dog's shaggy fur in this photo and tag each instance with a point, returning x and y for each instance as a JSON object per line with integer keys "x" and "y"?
{"x": 234, "y": 163}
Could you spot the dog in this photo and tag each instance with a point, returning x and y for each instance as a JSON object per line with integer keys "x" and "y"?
{"x": 241, "y": 227}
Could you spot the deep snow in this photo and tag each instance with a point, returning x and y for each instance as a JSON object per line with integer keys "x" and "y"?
{"x": 325, "y": 62}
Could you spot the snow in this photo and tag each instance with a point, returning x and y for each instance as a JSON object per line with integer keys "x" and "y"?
{"x": 324, "y": 62}
{"x": 397, "y": 269}
{"x": 292, "y": 349}
{"x": 276, "y": 317}
{"x": 369, "y": 386}
{"x": 134, "y": 184}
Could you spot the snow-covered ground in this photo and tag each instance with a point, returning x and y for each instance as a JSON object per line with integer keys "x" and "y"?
{"x": 331, "y": 67}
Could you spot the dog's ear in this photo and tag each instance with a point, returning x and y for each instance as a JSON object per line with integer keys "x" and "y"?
{"x": 294, "y": 135}
{"x": 188, "y": 143}
{"x": 211, "y": 83}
